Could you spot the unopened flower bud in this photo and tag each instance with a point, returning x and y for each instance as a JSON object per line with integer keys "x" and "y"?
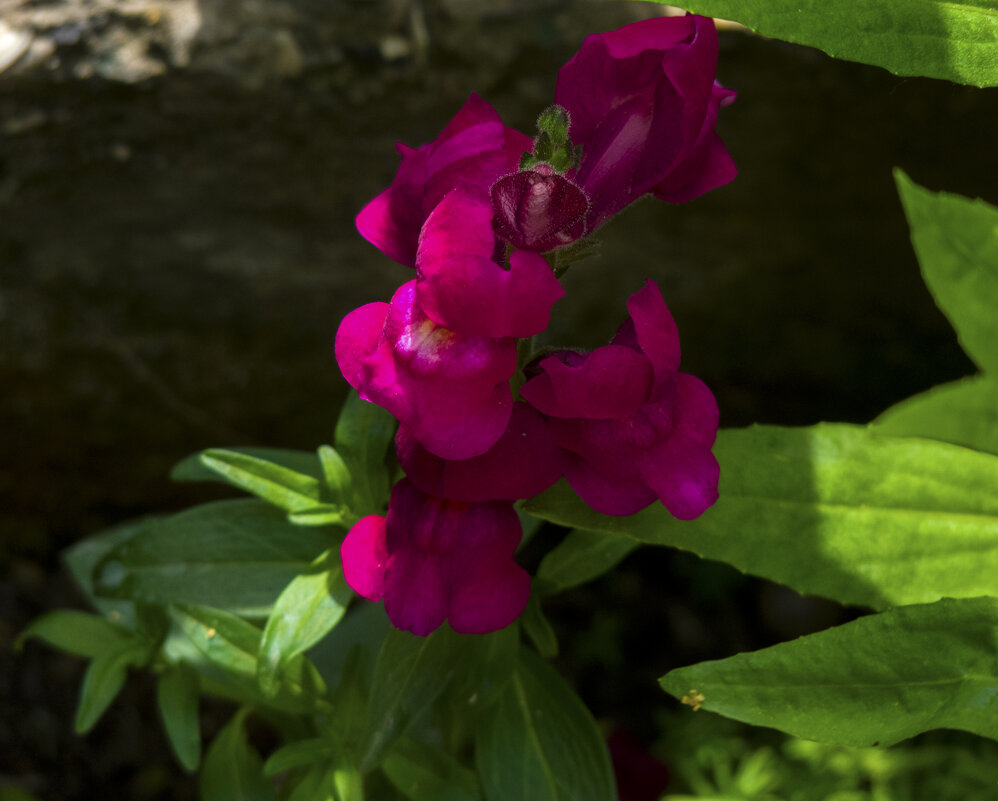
{"x": 538, "y": 209}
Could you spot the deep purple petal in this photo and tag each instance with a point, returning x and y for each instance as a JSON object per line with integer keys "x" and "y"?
{"x": 364, "y": 555}
{"x": 416, "y": 592}
{"x": 524, "y": 462}
{"x": 612, "y": 382}
{"x": 357, "y": 338}
{"x": 538, "y": 209}
{"x": 463, "y": 289}
{"x": 684, "y": 474}
{"x": 487, "y": 596}
{"x": 606, "y": 492}
{"x": 695, "y": 410}
{"x": 655, "y": 329}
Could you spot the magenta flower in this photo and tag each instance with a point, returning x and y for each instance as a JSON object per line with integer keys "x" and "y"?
{"x": 451, "y": 390}
{"x": 634, "y": 428}
{"x": 434, "y": 560}
{"x": 643, "y": 103}
{"x": 462, "y": 288}
{"x": 538, "y": 209}
{"x": 524, "y": 462}
{"x": 474, "y": 148}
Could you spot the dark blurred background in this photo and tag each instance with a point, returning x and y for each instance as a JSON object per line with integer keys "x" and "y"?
{"x": 178, "y": 180}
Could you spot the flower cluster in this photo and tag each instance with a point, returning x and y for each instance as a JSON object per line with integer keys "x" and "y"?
{"x": 473, "y": 213}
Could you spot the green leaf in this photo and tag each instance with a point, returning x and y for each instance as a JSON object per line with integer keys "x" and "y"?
{"x": 956, "y": 41}
{"x": 225, "y": 648}
{"x": 191, "y": 468}
{"x": 83, "y": 558}
{"x": 409, "y": 674}
{"x": 540, "y": 743}
{"x": 233, "y": 771}
{"x": 299, "y": 754}
{"x": 424, "y": 773}
{"x": 335, "y": 473}
{"x": 956, "y": 240}
{"x": 580, "y": 557}
{"x": 538, "y": 629}
{"x": 363, "y": 433}
{"x": 324, "y": 514}
{"x": 877, "y": 680}
{"x": 278, "y": 485}
{"x": 315, "y": 785}
{"x": 237, "y": 555}
{"x": 308, "y": 609}
{"x": 177, "y": 698}
{"x": 103, "y": 681}
{"x": 963, "y": 412}
{"x": 834, "y": 510}
{"x": 79, "y": 633}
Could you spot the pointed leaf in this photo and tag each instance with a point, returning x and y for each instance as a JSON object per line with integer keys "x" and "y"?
{"x": 363, "y": 433}
{"x": 963, "y": 412}
{"x": 177, "y": 697}
{"x": 79, "y": 633}
{"x": 324, "y": 514}
{"x": 877, "y": 680}
{"x": 191, "y": 468}
{"x": 424, "y": 773}
{"x": 833, "y": 510}
{"x": 236, "y": 555}
{"x": 103, "y": 681}
{"x": 335, "y": 473}
{"x": 581, "y": 557}
{"x": 281, "y": 486}
{"x": 233, "y": 771}
{"x": 956, "y": 240}
{"x": 956, "y": 41}
{"x": 410, "y": 673}
{"x": 540, "y": 743}
{"x": 538, "y": 629}
{"x": 308, "y": 609}
{"x": 83, "y": 558}
{"x": 299, "y": 754}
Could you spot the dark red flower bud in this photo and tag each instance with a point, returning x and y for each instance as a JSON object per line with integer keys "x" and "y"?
{"x": 538, "y": 209}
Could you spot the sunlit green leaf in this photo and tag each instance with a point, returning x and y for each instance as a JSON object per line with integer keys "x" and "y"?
{"x": 877, "y": 680}
{"x": 272, "y": 482}
{"x": 539, "y": 743}
{"x": 238, "y": 555}
{"x": 191, "y": 468}
{"x": 956, "y": 240}
{"x": 233, "y": 770}
{"x": 834, "y": 510}
{"x": 335, "y": 473}
{"x": 363, "y": 434}
{"x": 963, "y": 412}
{"x": 79, "y": 633}
{"x": 957, "y": 41}
{"x": 308, "y": 609}
{"x": 424, "y": 773}
{"x": 177, "y": 698}
{"x": 324, "y": 514}
{"x": 580, "y": 557}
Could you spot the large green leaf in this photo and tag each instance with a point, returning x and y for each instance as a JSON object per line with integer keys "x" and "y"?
{"x": 539, "y": 743}
{"x": 833, "y": 510}
{"x": 424, "y": 773}
{"x": 233, "y": 770}
{"x": 82, "y": 559}
{"x": 879, "y": 679}
{"x": 308, "y": 609}
{"x": 236, "y": 555}
{"x": 79, "y": 633}
{"x": 956, "y": 240}
{"x": 964, "y": 412}
{"x": 363, "y": 433}
{"x": 409, "y": 674}
{"x": 957, "y": 41}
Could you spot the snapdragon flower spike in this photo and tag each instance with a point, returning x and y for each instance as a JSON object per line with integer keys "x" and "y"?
{"x": 451, "y": 390}
{"x": 538, "y": 209}
{"x": 643, "y": 102}
{"x": 463, "y": 288}
{"x": 475, "y": 148}
{"x": 433, "y": 560}
{"x": 634, "y": 428}
{"x": 524, "y": 462}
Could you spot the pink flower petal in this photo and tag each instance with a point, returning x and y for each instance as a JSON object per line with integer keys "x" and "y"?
{"x": 357, "y": 338}
{"x": 488, "y": 597}
{"x": 612, "y": 382}
{"x": 655, "y": 329}
{"x": 416, "y": 593}
{"x": 391, "y": 221}
{"x": 605, "y": 492}
{"x": 364, "y": 555}
{"x": 684, "y": 474}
